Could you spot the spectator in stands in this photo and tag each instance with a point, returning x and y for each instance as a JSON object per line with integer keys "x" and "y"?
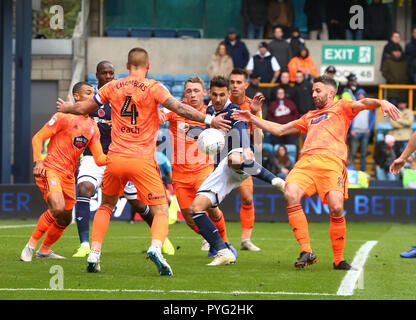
{"x": 255, "y": 16}
{"x": 410, "y": 54}
{"x": 402, "y": 128}
{"x": 282, "y": 162}
{"x": 354, "y": 34}
{"x": 287, "y": 85}
{"x": 280, "y": 14}
{"x": 221, "y": 63}
{"x": 331, "y": 72}
{"x": 296, "y": 42}
{"x": 351, "y": 88}
{"x": 280, "y": 49}
{"x": 395, "y": 68}
{"x": 356, "y": 178}
{"x": 360, "y": 131}
{"x": 303, "y": 94}
{"x": 316, "y": 11}
{"x": 264, "y": 64}
{"x": 283, "y": 110}
{"x": 377, "y": 21}
{"x": 409, "y": 175}
{"x": 237, "y": 49}
{"x": 253, "y": 86}
{"x": 337, "y": 15}
{"x": 390, "y": 45}
{"x": 385, "y": 153}
{"x": 303, "y": 62}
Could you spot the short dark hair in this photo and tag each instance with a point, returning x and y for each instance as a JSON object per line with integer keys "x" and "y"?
{"x": 240, "y": 71}
{"x": 77, "y": 87}
{"x": 102, "y": 63}
{"x": 219, "y": 82}
{"x": 327, "y": 80}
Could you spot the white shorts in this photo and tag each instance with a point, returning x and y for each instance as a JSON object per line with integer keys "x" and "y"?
{"x": 90, "y": 172}
{"x": 221, "y": 182}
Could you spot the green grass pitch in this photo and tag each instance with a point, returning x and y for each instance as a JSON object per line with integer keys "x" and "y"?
{"x": 268, "y": 274}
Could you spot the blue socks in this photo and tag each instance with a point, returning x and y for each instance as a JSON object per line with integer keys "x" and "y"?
{"x": 82, "y": 217}
{"x": 255, "y": 169}
{"x": 208, "y": 230}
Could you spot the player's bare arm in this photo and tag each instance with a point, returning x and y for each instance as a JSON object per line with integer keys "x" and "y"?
{"x": 79, "y": 108}
{"x": 257, "y": 103}
{"x": 97, "y": 152}
{"x": 272, "y": 127}
{"x": 37, "y": 142}
{"x": 368, "y": 104}
{"x": 191, "y": 113}
{"x": 400, "y": 161}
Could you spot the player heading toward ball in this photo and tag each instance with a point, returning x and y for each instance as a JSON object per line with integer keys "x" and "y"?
{"x": 233, "y": 165}
{"x": 321, "y": 165}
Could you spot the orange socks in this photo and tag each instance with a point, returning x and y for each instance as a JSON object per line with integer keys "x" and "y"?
{"x": 337, "y": 232}
{"x": 55, "y": 231}
{"x": 160, "y": 227}
{"x": 45, "y": 220}
{"x": 297, "y": 220}
{"x": 100, "y": 226}
{"x": 247, "y": 220}
{"x": 220, "y": 224}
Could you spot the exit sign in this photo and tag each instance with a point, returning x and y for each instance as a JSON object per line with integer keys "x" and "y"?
{"x": 345, "y": 54}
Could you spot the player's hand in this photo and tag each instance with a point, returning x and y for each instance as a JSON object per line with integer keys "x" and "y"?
{"x": 219, "y": 122}
{"x": 397, "y": 165}
{"x": 64, "y": 106}
{"x": 183, "y": 127}
{"x": 390, "y": 109}
{"x": 243, "y": 115}
{"x": 162, "y": 117}
{"x": 247, "y": 154}
{"x": 257, "y": 103}
{"x": 39, "y": 169}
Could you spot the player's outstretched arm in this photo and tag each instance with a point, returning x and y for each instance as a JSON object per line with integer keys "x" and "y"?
{"x": 79, "y": 108}
{"x": 368, "y": 104}
{"x": 97, "y": 152}
{"x": 272, "y": 127}
{"x": 189, "y": 112}
{"x": 400, "y": 161}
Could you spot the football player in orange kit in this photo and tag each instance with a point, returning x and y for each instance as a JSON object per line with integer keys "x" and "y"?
{"x": 238, "y": 85}
{"x": 190, "y": 166}
{"x": 131, "y": 156}
{"x": 321, "y": 165}
{"x": 69, "y": 136}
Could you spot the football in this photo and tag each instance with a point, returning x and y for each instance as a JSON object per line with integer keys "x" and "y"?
{"x": 211, "y": 141}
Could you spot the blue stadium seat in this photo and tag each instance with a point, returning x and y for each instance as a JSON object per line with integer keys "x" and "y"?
{"x": 164, "y": 33}
{"x": 165, "y": 78}
{"x": 179, "y": 79}
{"x": 205, "y": 77}
{"x": 189, "y": 33}
{"x": 268, "y": 146}
{"x": 414, "y": 126}
{"x": 177, "y": 90}
{"x": 91, "y": 77}
{"x": 120, "y": 75}
{"x": 384, "y": 127}
{"x": 379, "y": 136}
{"x": 141, "y": 33}
{"x": 267, "y": 138}
{"x": 117, "y": 32}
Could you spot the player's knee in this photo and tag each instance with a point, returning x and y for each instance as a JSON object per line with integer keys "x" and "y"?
{"x": 139, "y": 206}
{"x": 247, "y": 201}
{"x": 291, "y": 196}
{"x": 64, "y": 218}
{"x": 336, "y": 210}
{"x": 86, "y": 189}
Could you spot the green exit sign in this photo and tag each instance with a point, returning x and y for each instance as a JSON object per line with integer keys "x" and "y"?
{"x": 346, "y": 54}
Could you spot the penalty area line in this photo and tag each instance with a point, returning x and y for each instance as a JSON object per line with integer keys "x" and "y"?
{"x": 349, "y": 282}
{"x": 18, "y": 226}
{"x": 172, "y": 291}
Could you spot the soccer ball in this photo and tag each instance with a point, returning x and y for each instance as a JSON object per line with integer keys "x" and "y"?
{"x": 211, "y": 141}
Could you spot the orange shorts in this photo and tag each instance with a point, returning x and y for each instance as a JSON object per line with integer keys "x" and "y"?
{"x": 247, "y": 183}
{"x": 56, "y": 181}
{"x": 143, "y": 173}
{"x": 186, "y": 186}
{"x": 319, "y": 174}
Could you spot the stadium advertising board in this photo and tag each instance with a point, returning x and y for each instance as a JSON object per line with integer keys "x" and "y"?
{"x": 363, "y": 205}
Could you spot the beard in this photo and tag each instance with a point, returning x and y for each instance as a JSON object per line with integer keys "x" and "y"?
{"x": 321, "y": 102}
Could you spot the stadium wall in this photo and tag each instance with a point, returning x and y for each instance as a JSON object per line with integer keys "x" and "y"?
{"x": 178, "y": 56}
{"x": 364, "y": 205}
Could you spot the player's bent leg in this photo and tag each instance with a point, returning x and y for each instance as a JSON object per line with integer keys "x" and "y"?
{"x": 247, "y": 217}
{"x": 337, "y": 228}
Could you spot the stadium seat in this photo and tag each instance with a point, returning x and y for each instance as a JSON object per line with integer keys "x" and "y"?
{"x": 141, "y": 33}
{"x": 268, "y": 146}
{"x": 164, "y": 33}
{"x": 384, "y": 127}
{"x": 91, "y": 77}
{"x": 165, "y": 78}
{"x": 379, "y": 137}
{"x": 179, "y": 79}
{"x": 267, "y": 138}
{"x": 205, "y": 77}
{"x": 120, "y": 75}
{"x": 189, "y": 33}
{"x": 177, "y": 90}
{"x": 414, "y": 126}
{"x": 117, "y": 32}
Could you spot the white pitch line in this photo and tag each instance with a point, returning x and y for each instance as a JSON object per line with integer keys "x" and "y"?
{"x": 18, "y": 226}
{"x": 171, "y": 291}
{"x": 349, "y": 281}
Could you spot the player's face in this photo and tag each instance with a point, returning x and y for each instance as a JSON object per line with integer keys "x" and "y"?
{"x": 238, "y": 85}
{"x": 219, "y": 97}
{"x": 194, "y": 94}
{"x": 105, "y": 74}
{"x": 84, "y": 93}
{"x": 322, "y": 94}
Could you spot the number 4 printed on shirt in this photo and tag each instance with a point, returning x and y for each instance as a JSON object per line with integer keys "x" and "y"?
{"x": 133, "y": 113}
